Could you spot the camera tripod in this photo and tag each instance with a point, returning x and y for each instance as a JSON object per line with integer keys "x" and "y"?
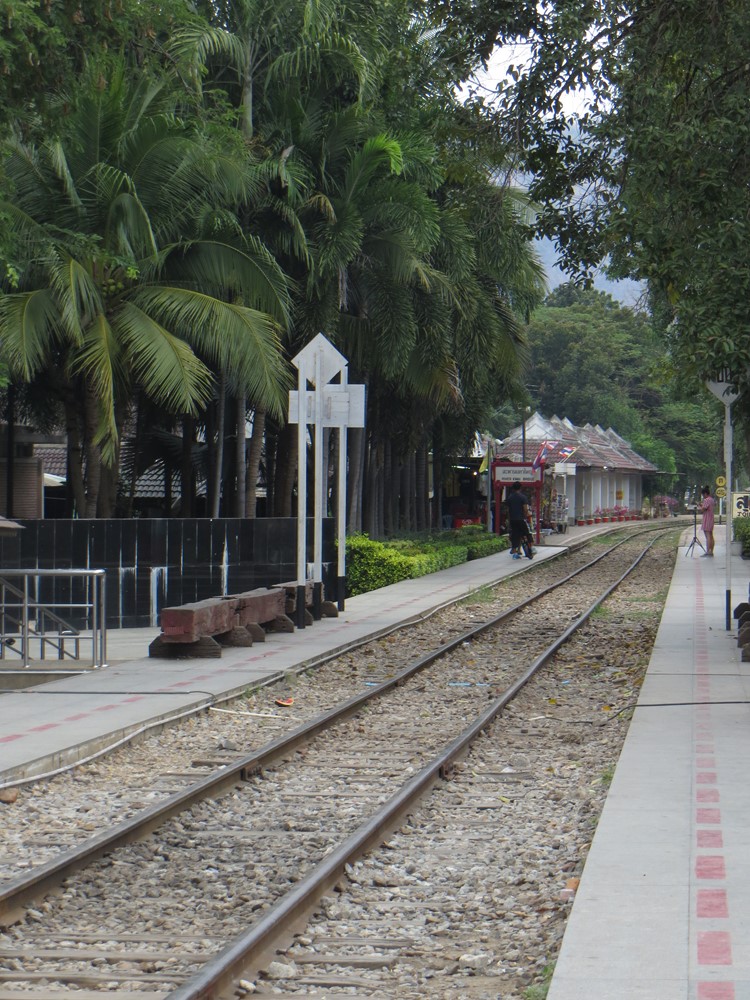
{"x": 696, "y": 540}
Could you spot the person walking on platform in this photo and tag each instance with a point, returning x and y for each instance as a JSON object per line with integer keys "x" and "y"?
{"x": 518, "y": 524}
{"x": 707, "y": 524}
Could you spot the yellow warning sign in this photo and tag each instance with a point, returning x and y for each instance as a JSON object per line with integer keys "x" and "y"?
{"x": 721, "y": 481}
{"x": 720, "y": 492}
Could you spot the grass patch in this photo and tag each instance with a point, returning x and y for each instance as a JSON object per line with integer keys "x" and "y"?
{"x": 605, "y": 778}
{"x": 539, "y": 991}
{"x": 485, "y": 595}
{"x": 604, "y": 540}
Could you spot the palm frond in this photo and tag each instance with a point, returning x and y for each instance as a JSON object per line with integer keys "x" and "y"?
{"x": 59, "y": 161}
{"x": 291, "y": 237}
{"x": 165, "y": 365}
{"x": 338, "y": 244}
{"x": 28, "y": 174}
{"x": 99, "y": 363}
{"x": 378, "y": 152}
{"x": 334, "y": 52}
{"x": 247, "y": 271}
{"x": 128, "y": 232}
{"x": 193, "y": 46}
{"x": 77, "y": 293}
{"x": 240, "y": 341}
{"x": 29, "y": 323}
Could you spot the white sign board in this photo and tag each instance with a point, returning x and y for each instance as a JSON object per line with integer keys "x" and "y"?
{"x": 340, "y": 406}
{"x": 343, "y": 406}
{"x": 517, "y": 474}
{"x": 320, "y": 352}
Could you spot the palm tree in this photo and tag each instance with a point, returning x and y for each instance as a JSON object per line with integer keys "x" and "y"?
{"x": 374, "y": 173}
{"x": 134, "y": 269}
{"x": 266, "y": 58}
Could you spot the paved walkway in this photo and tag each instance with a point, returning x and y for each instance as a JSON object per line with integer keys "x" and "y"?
{"x": 65, "y": 720}
{"x": 663, "y": 909}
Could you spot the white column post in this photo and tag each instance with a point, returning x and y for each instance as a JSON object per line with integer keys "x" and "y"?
{"x": 321, "y": 476}
{"x": 721, "y": 387}
{"x": 728, "y": 528}
{"x": 341, "y": 505}
{"x": 301, "y": 497}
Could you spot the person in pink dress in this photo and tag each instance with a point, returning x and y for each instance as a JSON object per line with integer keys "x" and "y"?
{"x": 707, "y": 524}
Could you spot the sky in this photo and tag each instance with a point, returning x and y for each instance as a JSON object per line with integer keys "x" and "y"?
{"x": 627, "y": 292}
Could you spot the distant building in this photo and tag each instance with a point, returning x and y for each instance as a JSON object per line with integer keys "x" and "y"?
{"x": 595, "y": 469}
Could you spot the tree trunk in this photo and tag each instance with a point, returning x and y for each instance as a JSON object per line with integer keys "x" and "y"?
{"x": 217, "y": 466}
{"x": 187, "y": 475}
{"x": 437, "y": 483}
{"x": 241, "y": 457}
{"x": 10, "y": 452}
{"x": 110, "y": 477}
{"x": 369, "y": 494}
{"x": 403, "y": 505}
{"x": 75, "y": 455}
{"x": 380, "y": 491}
{"x": 286, "y": 471}
{"x": 388, "y": 519}
{"x": 91, "y": 450}
{"x": 253, "y": 462}
{"x": 421, "y": 487}
{"x": 355, "y": 444}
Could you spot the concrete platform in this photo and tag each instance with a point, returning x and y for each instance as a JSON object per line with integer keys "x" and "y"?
{"x": 48, "y": 726}
{"x": 663, "y": 909}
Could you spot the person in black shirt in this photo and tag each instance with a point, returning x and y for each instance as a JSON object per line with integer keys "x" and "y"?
{"x": 518, "y": 514}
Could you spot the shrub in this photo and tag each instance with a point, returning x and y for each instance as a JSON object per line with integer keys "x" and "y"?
{"x": 487, "y": 546}
{"x": 371, "y": 565}
{"x": 741, "y": 527}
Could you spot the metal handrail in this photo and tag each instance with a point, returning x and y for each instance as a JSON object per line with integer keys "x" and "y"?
{"x": 33, "y": 618}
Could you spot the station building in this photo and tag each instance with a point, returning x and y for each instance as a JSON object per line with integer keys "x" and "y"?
{"x": 590, "y": 473}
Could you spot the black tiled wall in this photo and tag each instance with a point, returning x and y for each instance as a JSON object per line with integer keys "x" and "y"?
{"x": 155, "y": 563}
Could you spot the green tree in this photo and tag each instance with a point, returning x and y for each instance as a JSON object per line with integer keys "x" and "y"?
{"x": 649, "y": 167}
{"x": 134, "y": 271}
{"x": 285, "y": 74}
{"x": 595, "y": 361}
{"x": 44, "y": 46}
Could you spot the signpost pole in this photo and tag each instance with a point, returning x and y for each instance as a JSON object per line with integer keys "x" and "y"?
{"x": 338, "y": 405}
{"x": 721, "y": 387}
{"x": 301, "y": 495}
{"x": 321, "y": 475}
{"x": 341, "y": 507}
{"x": 728, "y": 527}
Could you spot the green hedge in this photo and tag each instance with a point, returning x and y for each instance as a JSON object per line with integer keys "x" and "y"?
{"x": 371, "y": 565}
{"x": 741, "y": 527}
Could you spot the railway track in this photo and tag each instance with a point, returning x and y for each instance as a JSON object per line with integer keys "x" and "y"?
{"x": 151, "y": 916}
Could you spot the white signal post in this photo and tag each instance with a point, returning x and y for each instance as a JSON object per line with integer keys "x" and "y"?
{"x": 340, "y": 405}
{"x": 721, "y": 387}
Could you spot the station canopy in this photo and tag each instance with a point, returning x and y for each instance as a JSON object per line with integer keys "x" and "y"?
{"x": 588, "y": 447}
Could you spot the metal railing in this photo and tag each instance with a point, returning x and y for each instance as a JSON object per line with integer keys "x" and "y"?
{"x": 29, "y": 625}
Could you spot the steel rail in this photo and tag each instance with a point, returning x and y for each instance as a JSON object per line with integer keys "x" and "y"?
{"x": 274, "y": 930}
{"x": 17, "y": 892}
